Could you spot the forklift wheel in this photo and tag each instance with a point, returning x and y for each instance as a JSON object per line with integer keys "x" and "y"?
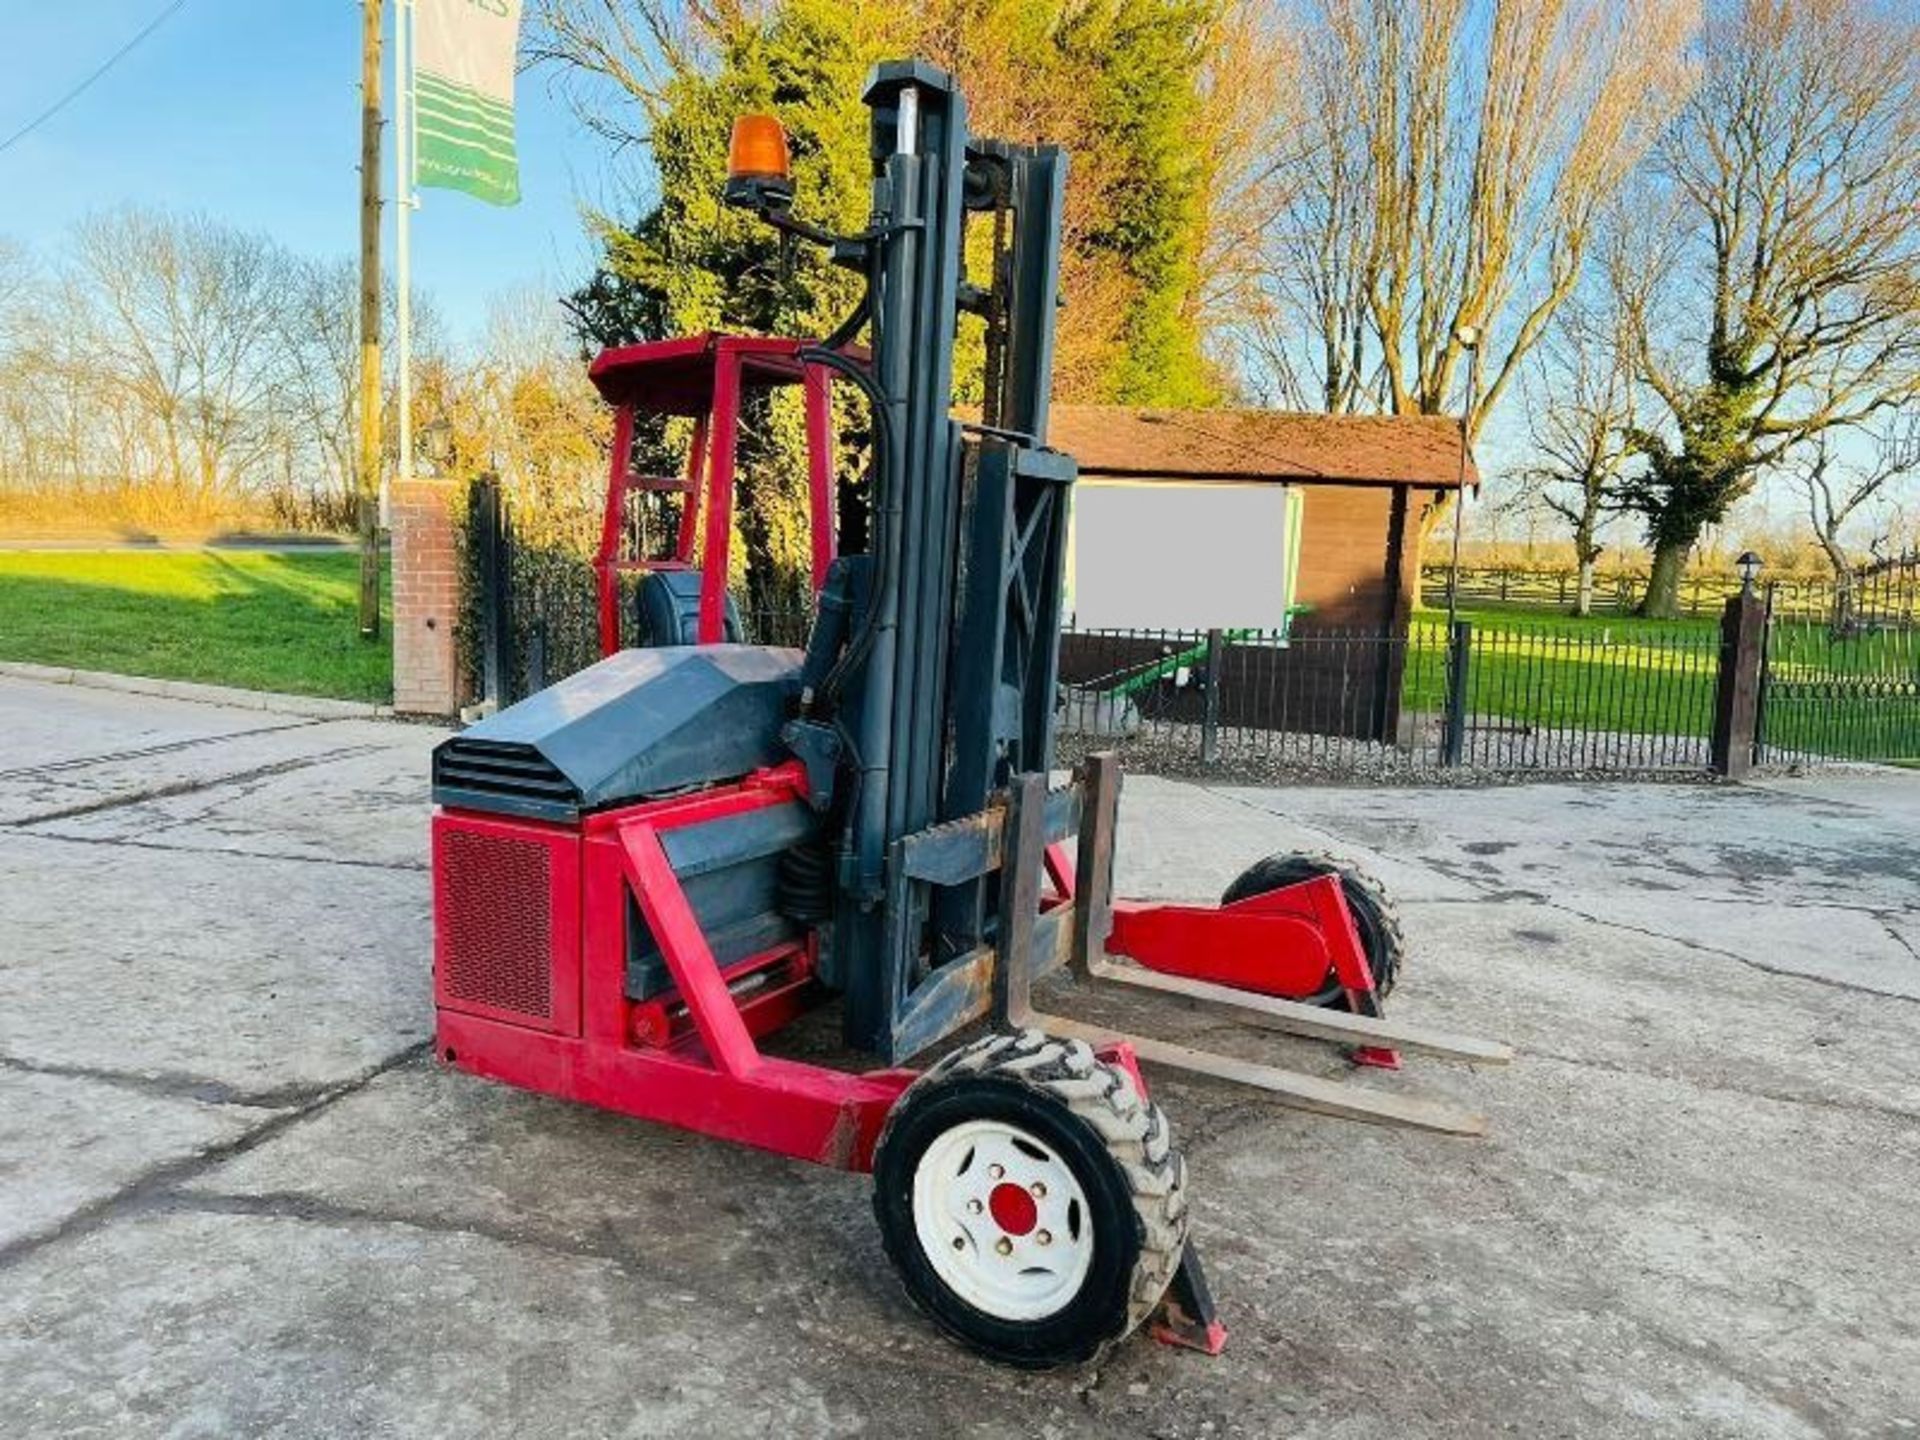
{"x": 1031, "y": 1199}
{"x": 1373, "y": 914}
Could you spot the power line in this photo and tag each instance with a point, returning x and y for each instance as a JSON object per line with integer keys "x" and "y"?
{"x": 77, "y": 91}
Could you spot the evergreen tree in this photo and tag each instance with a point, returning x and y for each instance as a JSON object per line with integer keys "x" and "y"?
{"x": 1117, "y": 82}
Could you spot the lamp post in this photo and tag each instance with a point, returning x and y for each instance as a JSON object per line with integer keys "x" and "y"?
{"x": 1749, "y": 567}
{"x": 1453, "y": 742}
{"x": 436, "y": 444}
{"x": 1468, "y": 338}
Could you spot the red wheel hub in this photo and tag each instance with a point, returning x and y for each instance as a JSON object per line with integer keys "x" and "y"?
{"x": 1013, "y": 1209}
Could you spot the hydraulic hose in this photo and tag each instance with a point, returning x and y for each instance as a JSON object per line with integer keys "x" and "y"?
{"x": 885, "y": 458}
{"x": 844, "y": 332}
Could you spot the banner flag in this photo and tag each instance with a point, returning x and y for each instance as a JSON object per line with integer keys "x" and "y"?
{"x": 463, "y": 65}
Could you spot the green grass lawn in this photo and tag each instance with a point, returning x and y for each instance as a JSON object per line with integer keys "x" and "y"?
{"x": 1560, "y": 622}
{"x": 1542, "y": 667}
{"x": 260, "y": 621}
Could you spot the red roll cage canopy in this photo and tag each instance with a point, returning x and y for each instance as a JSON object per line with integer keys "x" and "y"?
{"x": 702, "y": 378}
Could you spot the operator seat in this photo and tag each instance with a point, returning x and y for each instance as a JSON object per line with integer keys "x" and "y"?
{"x": 666, "y": 611}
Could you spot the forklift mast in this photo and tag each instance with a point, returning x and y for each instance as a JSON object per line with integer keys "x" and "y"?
{"x": 969, "y": 533}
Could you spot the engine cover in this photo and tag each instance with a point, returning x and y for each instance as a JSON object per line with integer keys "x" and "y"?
{"x": 637, "y": 725}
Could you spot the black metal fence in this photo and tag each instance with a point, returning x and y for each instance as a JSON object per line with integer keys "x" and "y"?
{"x": 1840, "y": 680}
{"x": 531, "y": 611}
{"x": 1327, "y": 701}
{"x": 1837, "y": 678}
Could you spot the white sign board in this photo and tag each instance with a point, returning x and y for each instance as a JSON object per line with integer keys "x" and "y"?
{"x": 1163, "y": 556}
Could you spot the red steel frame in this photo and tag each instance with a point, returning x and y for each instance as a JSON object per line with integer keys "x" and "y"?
{"x": 712, "y": 1079}
{"x": 708, "y": 1074}
{"x": 704, "y": 377}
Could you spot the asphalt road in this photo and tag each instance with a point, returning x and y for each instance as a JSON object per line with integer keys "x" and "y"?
{"x": 237, "y": 1197}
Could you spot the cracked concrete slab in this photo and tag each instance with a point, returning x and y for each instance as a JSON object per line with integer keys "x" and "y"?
{"x": 1904, "y": 926}
{"x": 358, "y": 1326}
{"x": 103, "y": 750}
{"x": 257, "y": 973}
{"x": 67, "y": 1142}
{"x": 1605, "y": 1264}
{"x": 361, "y": 803}
{"x": 1701, "y": 839}
{"x": 46, "y": 731}
{"x": 1182, "y": 841}
{"x": 1886, "y": 791}
{"x": 82, "y": 787}
{"x": 1377, "y": 1282}
{"x": 1688, "y": 1219}
{"x": 1844, "y": 945}
{"x": 1560, "y": 985}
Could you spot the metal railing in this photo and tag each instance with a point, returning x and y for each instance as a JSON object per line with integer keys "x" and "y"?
{"x": 1842, "y": 681}
{"x": 530, "y": 611}
{"x": 1508, "y": 698}
{"x": 1838, "y": 677}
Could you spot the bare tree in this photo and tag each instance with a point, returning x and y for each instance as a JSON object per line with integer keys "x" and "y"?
{"x": 1256, "y": 113}
{"x": 1580, "y": 413}
{"x": 1785, "y": 302}
{"x": 19, "y": 365}
{"x": 1840, "y": 483}
{"x": 18, "y": 275}
{"x": 56, "y": 433}
{"x": 1461, "y": 154}
{"x": 319, "y": 389}
{"x": 189, "y": 340}
{"x": 315, "y": 404}
{"x": 1307, "y": 339}
{"x": 629, "y": 49}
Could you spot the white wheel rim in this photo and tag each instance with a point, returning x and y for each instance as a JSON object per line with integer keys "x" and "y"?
{"x": 976, "y": 1187}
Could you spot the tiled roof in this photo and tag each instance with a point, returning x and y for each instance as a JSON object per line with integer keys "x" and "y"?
{"x": 1260, "y": 444}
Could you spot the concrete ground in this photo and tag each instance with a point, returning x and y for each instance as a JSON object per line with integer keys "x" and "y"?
{"x": 238, "y": 1198}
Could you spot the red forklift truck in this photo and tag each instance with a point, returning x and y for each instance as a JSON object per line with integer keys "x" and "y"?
{"x": 645, "y": 871}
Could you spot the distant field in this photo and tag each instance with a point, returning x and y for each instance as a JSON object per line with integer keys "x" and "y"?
{"x": 282, "y": 622}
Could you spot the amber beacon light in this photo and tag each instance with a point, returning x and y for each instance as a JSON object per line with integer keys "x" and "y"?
{"x": 759, "y": 168}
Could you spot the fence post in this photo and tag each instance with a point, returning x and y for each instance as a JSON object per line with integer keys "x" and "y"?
{"x": 1210, "y": 721}
{"x": 496, "y": 608}
{"x": 1453, "y": 742}
{"x": 1736, "y": 699}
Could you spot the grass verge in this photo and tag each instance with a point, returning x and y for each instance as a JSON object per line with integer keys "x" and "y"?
{"x": 283, "y": 622}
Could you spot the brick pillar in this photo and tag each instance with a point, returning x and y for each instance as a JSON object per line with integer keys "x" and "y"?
{"x": 426, "y": 599}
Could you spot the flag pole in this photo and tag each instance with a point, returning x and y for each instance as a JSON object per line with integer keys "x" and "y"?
{"x": 404, "y": 201}
{"x": 368, "y": 482}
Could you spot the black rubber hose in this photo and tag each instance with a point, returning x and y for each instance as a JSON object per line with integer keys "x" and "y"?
{"x": 885, "y": 453}
{"x": 844, "y": 332}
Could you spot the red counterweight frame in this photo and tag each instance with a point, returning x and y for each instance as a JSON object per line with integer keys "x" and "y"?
{"x": 707, "y": 1074}
{"x": 690, "y": 1058}
{"x": 703, "y": 378}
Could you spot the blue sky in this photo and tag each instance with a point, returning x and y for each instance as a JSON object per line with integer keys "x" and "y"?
{"x": 248, "y": 110}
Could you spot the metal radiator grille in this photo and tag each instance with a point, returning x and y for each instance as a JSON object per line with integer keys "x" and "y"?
{"x": 496, "y": 926}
